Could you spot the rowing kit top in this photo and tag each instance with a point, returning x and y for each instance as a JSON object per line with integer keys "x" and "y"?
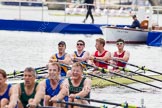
{"x": 53, "y": 92}
{"x": 99, "y": 64}
{"x": 75, "y": 52}
{"x": 63, "y": 68}
{"x": 6, "y": 94}
{"x": 81, "y": 55}
{"x": 73, "y": 89}
{"x": 118, "y": 63}
{"x": 24, "y": 97}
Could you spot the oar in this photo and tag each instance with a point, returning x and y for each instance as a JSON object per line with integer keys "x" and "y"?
{"x": 110, "y": 80}
{"x": 110, "y": 103}
{"x": 140, "y": 67}
{"x": 33, "y": 106}
{"x": 80, "y": 105}
{"x": 127, "y": 70}
{"x": 106, "y": 70}
{"x": 20, "y": 72}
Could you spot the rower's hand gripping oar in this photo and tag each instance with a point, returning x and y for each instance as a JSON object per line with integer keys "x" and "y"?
{"x": 140, "y": 67}
{"x": 127, "y": 70}
{"x": 107, "y": 79}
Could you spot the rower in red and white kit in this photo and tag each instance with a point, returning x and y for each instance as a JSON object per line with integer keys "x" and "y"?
{"x": 120, "y": 55}
{"x": 101, "y": 54}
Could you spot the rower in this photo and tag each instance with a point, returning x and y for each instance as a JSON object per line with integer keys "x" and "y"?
{"x": 61, "y": 57}
{"x": 79, "y": 86}
{"x": 80, "y": 55}
{"x": 100, "y": 54}
{"x": 120, "y": 55}
{"x": 8, "y": 92}
{"x": 52, "y": 88}
{"x": 28, "y": 89}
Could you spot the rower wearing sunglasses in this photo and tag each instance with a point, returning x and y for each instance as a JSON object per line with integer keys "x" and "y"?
{"x": 120, "y": 55}
{"x": 80, "y": 55}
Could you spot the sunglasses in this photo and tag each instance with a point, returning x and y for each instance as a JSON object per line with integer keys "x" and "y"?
{"x": 79, "y": 44}
{"x": 119, "y": 43}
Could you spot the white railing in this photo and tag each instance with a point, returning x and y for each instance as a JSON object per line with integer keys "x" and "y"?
{"x": 43, "y": 14}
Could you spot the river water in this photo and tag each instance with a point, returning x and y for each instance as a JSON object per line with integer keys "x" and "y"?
{"x": 21, "y": 49}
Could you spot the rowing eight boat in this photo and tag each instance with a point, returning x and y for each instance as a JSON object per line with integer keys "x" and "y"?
{"x": 96, "y": 82}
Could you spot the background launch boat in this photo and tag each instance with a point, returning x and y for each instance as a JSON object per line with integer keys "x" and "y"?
{"x": 134, "y": 36}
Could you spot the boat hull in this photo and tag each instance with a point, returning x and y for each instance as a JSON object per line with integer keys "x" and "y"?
{"x": 133, "y": 36}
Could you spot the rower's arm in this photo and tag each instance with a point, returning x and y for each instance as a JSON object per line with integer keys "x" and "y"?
{"x": 67, "y": 59}
{"x": 53, "y": 58}
{"x": 13, "y": 97}
{"x": 84, "y": 58}
{"x": 86, "y": 89}
{"x": 124, "y": 58}
{"x": 107, "y": 57}
{"x": 40, "y": 92}
{"x": 64, "y": 90}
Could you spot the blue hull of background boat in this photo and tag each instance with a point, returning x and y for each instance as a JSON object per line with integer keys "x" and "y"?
{"x": 22, "y": 4}
{"x": 57, "y": 27}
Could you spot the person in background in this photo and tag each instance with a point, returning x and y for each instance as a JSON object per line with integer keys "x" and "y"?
{"x": 61, "y": 57}
{"x": 79, "y": 86}
{"x": 135, "y": 23}
{"x": 100, "y": 54}
{"x": 89, "y": 10}
{"x": 53, "y": 88}
{"x": 120, "y": 55}
{"x": 28, "y": 88}
{"x": 8, "y": 92}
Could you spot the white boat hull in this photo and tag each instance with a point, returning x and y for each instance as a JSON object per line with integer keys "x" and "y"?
{"x": 133, "y": 36}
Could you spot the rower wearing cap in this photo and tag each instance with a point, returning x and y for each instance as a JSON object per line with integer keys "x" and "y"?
{"x": 61, "y": 57}
{"x": 120, "y": 55}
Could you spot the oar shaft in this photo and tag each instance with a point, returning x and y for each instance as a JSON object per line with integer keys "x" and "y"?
{"x": 116, "y": 83}
{"x": 140, "y": 67}
{"x": 20, "y": 72}
{"x": 98, "y": 101}
{"x": 109, "y": 103}
{"x": 123, "y": 69}
{"x": 76, "y": 104}
{"x": 136, "y": 80}
{"x": 127, "y": 70}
